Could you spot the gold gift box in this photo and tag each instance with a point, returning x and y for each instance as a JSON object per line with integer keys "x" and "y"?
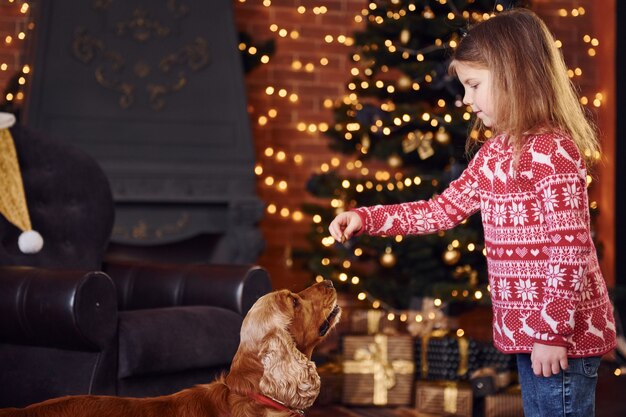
{"x": 370, "y": 322}
{"x": 331, "y": 377}
{"x": 378, "y": 370}
{"x": 505, "y": 404}
{"x": 444, "y": 397}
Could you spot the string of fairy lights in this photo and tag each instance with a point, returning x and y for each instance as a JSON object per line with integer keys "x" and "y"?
{"x": 382, "y": 178}
{"x": 17, "y": 41}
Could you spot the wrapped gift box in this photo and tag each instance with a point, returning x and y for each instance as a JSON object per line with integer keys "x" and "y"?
{"x": 378, "y": 370}
{"x": 442, "y": 355}
{"x": 505, "y": 404}
{"x": 444, "y": 397}
{"x": 371, "y": 322}
{"x": 365, "y": 321}
{"x": 413, "y": 413}
{"x": 331, "y": 378}
{"x": 488, "y": 381}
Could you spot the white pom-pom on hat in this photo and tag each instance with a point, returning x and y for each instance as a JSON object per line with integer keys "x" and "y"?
{"x": 7, "y": 120}
{"x": 30, "y": 241}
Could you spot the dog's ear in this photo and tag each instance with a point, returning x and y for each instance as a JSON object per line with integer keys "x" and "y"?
{"x": 288, "y": 375}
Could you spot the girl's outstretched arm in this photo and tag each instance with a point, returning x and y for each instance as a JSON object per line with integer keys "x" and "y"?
{"x": 460, "y": 200}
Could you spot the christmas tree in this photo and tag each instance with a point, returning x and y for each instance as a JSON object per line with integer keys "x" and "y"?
{"x": 402, "y": 128}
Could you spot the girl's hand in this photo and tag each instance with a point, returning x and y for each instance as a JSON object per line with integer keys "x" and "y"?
{"x": 345, "y": 225}
{"x": 548, "y": 360}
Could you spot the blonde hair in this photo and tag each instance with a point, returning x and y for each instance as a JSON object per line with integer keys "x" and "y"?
{"x": 532, "y": 92}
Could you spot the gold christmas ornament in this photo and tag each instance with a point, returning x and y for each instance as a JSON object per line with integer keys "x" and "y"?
{"x": 388, "y": 259}
{"x": 394, "y": 161}
{"x": 404, "y": 82}
{"x": 451, "y": 257}
{"x": 12, "y": 197}
{"x": 442, "y": 136}
{"x": 420, "y": 142}
{"x": 425, "y": 149}
{"x": 411, "y": 141}
{"x": 365, "y": 143}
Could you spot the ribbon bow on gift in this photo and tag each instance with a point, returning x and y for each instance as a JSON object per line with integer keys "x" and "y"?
{"x": 373, "y": 359}
{"x": 376, "y": 358}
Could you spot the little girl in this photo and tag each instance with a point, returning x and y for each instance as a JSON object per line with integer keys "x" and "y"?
{"x": 550, "y": 302}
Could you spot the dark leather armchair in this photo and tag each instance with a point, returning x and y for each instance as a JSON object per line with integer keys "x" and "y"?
{"x": 71, "y": 324}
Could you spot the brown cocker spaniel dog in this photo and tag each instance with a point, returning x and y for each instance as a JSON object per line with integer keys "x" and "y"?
{"x": 272, "y": 374}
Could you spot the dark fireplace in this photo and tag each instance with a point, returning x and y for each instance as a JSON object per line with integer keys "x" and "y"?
{"x": 154, "y": 91}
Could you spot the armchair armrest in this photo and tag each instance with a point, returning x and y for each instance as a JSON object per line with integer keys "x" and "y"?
{"x": 142, "y": 285}
{"x": 67, "y": 309}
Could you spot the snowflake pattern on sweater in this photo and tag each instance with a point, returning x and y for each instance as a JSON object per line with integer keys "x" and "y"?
{"x": 545, "y": 280}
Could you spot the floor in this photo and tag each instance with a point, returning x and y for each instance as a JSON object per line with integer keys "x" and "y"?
{"x": 610, "y": 401}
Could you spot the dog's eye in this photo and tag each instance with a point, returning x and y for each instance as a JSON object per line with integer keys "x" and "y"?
{"x": 295, "y": 301}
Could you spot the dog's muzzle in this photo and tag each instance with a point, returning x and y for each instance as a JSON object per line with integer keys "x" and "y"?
{"x": 328, "y": 323}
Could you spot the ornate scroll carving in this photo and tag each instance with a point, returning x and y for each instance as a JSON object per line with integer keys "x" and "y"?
{"x": 131, "y": 75}
{"x": 142, "y": 26}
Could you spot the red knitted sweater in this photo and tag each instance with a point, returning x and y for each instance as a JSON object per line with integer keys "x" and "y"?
{"x": 545, "y": 281}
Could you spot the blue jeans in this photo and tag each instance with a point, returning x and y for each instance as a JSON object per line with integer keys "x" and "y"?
{"x": 570, "y": 393}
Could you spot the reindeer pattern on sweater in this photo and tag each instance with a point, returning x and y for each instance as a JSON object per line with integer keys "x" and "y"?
{"x": 545, "y": 280}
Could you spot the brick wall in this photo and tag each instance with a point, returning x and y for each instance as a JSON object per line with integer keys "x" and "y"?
{"x": 293, "y": 132}
{"x": 283, "y": 233}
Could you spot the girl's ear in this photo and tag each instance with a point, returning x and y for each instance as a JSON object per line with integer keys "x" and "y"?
{"x": 288, "y": 375}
